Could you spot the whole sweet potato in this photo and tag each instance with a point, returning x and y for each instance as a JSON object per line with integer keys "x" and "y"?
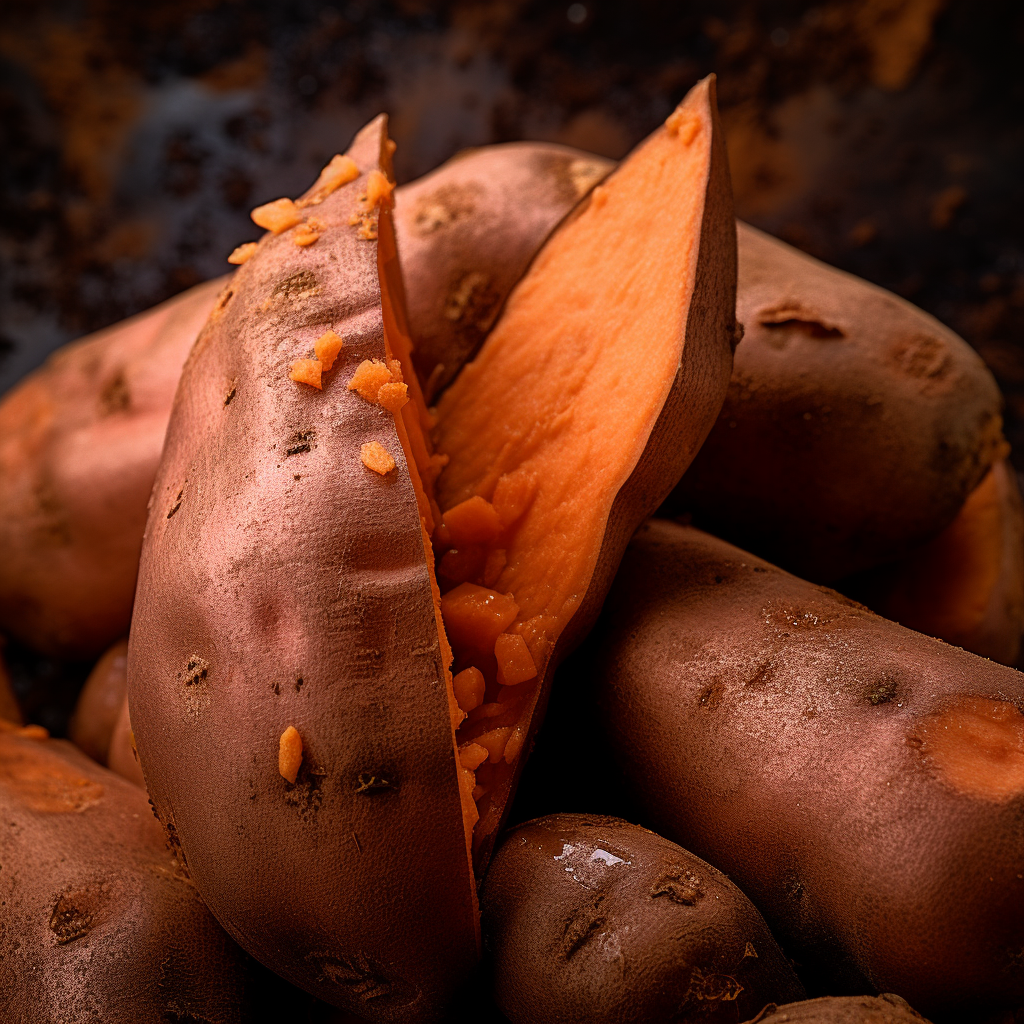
{"x": 79, "y": 443}
{"x": 324, "y": 774}
{"x": 855, "y": 425}
{"x": 588, "y": 918}
{"x": 884, "y": 1009}
{"x": 848, "y": 774}
{"x": 98, "y": 921}
{"x": 99, "y": 703}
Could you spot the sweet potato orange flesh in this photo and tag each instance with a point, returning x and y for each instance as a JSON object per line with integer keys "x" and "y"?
{"x": 79, "y": 443}
{"x": 600, "y": 372}
{"x": 98, "y": 921}
{"x": 847, "y": 773}
{"x": 966, "y": 586}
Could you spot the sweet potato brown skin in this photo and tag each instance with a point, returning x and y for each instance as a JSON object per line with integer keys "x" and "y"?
{"x": 99, "y": 704}
{"x": 79, "y": 442}
{"x": 829, "y": 762}
{"x": 884, "y": 1009}
{"x": 855, "y": 425}
{"x": 466, "y": 234}
{"x": 285, "y": 584}
{"x": 98, "y": 922}
{"x": 589, "y": 918}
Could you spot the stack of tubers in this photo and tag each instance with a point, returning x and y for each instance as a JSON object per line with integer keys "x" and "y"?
{"x": 349, "y": 509}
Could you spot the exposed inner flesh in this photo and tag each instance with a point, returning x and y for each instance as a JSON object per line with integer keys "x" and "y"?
{"x": 541, "y": 432}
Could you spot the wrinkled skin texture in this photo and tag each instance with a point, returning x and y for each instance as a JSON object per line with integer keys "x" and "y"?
{"x": 98, "y": 922}
{"x": 284, "y": 583}
{"x": 466, "y": 234}
{"x": 848, "y": 774}
{"x": 588, "y": 918}
{"x": 855, "y": 425}
{"x": 79, "y": 443}
{"x": 884, "y": 1009}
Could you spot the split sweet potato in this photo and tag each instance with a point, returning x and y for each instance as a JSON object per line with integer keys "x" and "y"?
{"x": 855, "y": 425}
{"x": 98, "y": 920}
{"x": 328, "y": 731}
{"x": 965, "y": 586}
{"x": 848, "y": 774}
{"x": 588, "y": 918}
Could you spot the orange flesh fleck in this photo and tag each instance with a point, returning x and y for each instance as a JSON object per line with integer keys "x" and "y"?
{"x": 370, "y": 376}
{"x": 289, "y": 753}
{"x": 277, "y": 216}
{"x": 378, "y": 190}
{"x": 393, "y": 396}
{"x": 327, "y": 347}
{"x": 469, "y": 688}
{"x": 376, "y": 457}
{"x": 307, "y": 371}
{"x": 306, "y": 234}
{"x": 515, "y": 663}
{"x": 528, "y": 493}
{"x": 472, "y": 755}
{"x": 242, "y": 253}
{"x": 977, "y": 745}
{"x": 340, "y": 171}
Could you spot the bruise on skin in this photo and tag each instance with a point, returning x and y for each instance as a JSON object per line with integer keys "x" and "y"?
{"x": 922, "y": 356}
{"x": 463, "y": 295}
{"x": 301, "y": 441}
{"x": 975, "y": 745}
{"x": 680, "y": 886}
{"x": 53, "y": 529}
{"x": 445, "y": 206}
{"x": 75, "y": 913}
{"x": 115, "y": 396}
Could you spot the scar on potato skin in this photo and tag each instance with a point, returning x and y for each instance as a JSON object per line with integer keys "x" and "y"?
{"x": 176, "y": 504}
{"x": 301, "y": 441}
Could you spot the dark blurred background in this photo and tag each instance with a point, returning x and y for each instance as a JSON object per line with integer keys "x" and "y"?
{"x": 884, "y": 136}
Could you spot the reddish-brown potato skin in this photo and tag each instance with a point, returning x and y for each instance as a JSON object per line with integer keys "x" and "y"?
{"x": 98, "y": 922}
{"x": 466, "y": 234}
{"x": 589, "y": 918}
{"x": 79, "y": 442}
{"x": 884, "y": 1009}
{"x": 774, "y": 728}
{"x": 855, "y": 425}
{"x": 283, "y": 583}
{"x": 100, "y": 702}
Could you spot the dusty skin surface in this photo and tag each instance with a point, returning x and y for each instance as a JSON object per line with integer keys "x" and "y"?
{"x": 301, "y": 595}
{"x": 79, "y": 442}
{"x": 884, "y": 1009}
{"x": 100, "y": 702}
{"x": 855, "y": 426}
{"x": 847, "y": 773}
{"x": 966, "y": 586}
{"x": 98, "y": 921}
{"x": 468, "y": 231}
{"x": 589, "y": 918}
{"x": 584, "y": 406}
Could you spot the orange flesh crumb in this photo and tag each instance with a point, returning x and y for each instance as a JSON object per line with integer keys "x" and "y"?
{"x": 306, "y": 234}
{"x": 340, "y": 171}
{"x": 327, "y": 347}
{"x": 393, "y": 396}
{"x": 472, "y": 755}
{"x": 378, "y": 190}
{"x": 289, "y": 753}
{"x": 370, "y": 376}
{"x": 307, "y": 371}
{"x": 376, "y": 457}
{"x": 242, "y": 253}
{"x": 277, "y": 216}
{"x": 469, "y": 688}
{"x": 613, "y": 281}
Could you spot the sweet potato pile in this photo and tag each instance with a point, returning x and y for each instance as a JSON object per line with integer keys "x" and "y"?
{"x": 392, "y": 465}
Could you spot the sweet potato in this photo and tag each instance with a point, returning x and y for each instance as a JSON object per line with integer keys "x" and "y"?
{"x": 98, "y": 921}
{"x": 588, "y": 918}
{"x": 468, "y": 231}
{"x": 848, "y": 774}
{"x": 289, "y": 636}
{"x": 966, "y": 586}
{"x": 884, "y": 1009}
{"x": 79, "y": 443}
{"x": 75, "y": 474}
{"x": 99, "y": 704}
{"x": 855, "y": 425}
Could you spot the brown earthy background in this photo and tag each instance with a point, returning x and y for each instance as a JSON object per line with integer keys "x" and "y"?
{"x": 883, "y": 136}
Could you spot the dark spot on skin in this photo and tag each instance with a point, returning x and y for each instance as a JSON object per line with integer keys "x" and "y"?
{"x": 882, "y": 691}
{"x": 368, "y": 781}
{"x": 115, "y": 396}
{"x": 680, "y": 886}
{"x": 298, "y": 684}
{"x": 72, "y": 916}
{"x": 444, "y": 206}
{"x": 719, "y": 579}
{"x": 276, "y": 687}
{"x": 230, "y": 393}
{"x": 196, "y": 671}
{"x": 794, "y": 888}
{"x": 176, "y": 504}
{"x": 296, "y": 476}
{"x": 194, "y": 691}
{"x": 222, "y": 302}
{"x": 360, "y": 976}
{"x": 711, "y": 696}
{"x": 763, "y": 675}
{"x": 712, "y": 988}
{"x": 923, "y": 356}
{"x": 759, "y": 568}
{"x": 301, "y": 441}
{"x": 298, "y": 286}
{"x": 173, "y": 842}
